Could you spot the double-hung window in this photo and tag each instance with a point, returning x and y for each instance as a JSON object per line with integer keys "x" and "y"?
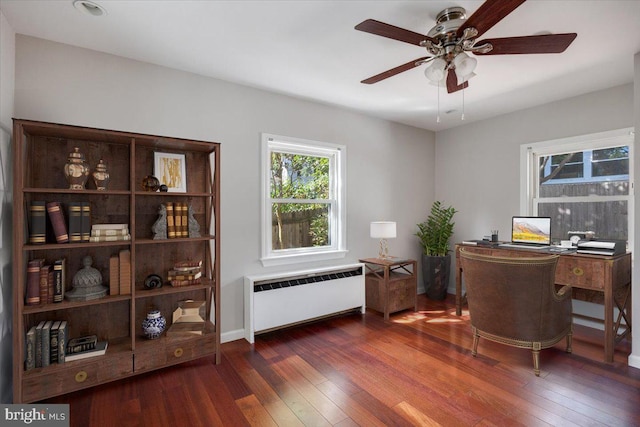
{"x": 303, "y": 200}
{"x": 582, "y": 183}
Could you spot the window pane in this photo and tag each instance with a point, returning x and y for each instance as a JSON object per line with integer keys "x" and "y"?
{"x": 606, "y": 188}
{"x": 609, "y": 220}
{"x": 295, "y": 176}
{"x": 562, "y": 166}
{"x": 610, "y": 167}
{"x": 612, "y": 153}
{"x": 300, "y": 225}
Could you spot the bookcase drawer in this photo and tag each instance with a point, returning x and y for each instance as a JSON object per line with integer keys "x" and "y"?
{"x": 185, "y": 349}
{"x": 174, "y": 350}
{"x": 55, "y": 380}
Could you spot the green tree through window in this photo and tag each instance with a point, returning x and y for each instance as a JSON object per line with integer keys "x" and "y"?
{"x": 303, "y": 181}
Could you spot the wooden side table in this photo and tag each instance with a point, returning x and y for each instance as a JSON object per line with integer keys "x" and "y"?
{"x": 391, "y": 284}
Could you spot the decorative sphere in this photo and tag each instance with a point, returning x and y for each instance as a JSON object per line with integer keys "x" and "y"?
{"x": 150, "y": 183}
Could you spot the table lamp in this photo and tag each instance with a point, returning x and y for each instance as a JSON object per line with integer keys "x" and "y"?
{"x": 383, "y": 230}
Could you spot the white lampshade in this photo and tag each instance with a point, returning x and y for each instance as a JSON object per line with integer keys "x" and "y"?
{"x": 464, "y": 66}
{"x": 383, "y": 229}
{"x": 435, "y": 72}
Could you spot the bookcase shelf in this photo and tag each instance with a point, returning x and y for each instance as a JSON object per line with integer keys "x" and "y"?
{"x": 40, "y": 154}
{"x": 65, "y": 305}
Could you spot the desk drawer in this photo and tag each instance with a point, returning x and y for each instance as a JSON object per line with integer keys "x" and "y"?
{"x": 583, "y": 273}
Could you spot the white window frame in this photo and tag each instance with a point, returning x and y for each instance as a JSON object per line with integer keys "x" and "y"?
{"x": 529, "y": 169}
{"x": 337, "y": 195}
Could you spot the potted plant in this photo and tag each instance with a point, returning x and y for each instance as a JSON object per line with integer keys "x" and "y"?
{"x": 434, "y": 235}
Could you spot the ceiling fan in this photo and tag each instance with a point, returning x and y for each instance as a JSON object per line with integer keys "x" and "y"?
{"x": 454, "y": 35}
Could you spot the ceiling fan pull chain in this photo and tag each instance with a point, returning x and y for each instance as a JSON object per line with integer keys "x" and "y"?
{"x": 438, "y": 118}
{"x": 462, "y": 118}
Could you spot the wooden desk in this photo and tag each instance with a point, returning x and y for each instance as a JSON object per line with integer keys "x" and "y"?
{"x": 391, "y": 285}
{"x": 603, "y": 274}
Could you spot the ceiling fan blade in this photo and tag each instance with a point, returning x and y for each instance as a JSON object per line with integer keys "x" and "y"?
{"x": 546, "y": 43}
{"x": 489, "y": 14}
{"x": 452, "y": 82}
{"x": 391, "y": 31}
{"x": 392, "y": 72}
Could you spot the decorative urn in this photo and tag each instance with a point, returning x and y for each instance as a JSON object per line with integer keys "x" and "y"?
{"x": 101, "y": 176}
{"x": 76, "y": 170}
{"x": 154, "y": 324}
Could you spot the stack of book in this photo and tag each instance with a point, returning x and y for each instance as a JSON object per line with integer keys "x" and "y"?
{"x": 37, "y": 222}
{"x": 77, "y": 229}
{"x": 109, "y": 233}
{"x": 85, "y": 347}
{"x": 120, "y": 273}
{"x": 185, "y": 273}
{"x": 79, "y": 221}
{"x": 602, "y": 247}
{"x": 46, "y": 344}
{"x": 46, "y": 281}
{"x": 177, "y": 220}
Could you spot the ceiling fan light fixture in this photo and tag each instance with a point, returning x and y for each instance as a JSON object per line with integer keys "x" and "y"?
{"x": 465, "y": 65}
{"x": 436, "y": 71}
{"x": 462, "y": 79}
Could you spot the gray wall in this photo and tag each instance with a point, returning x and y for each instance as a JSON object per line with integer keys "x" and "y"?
{"x": 478, "y": 165}
{"x": 389, "y": 170}
{"x": 7, "y": 55}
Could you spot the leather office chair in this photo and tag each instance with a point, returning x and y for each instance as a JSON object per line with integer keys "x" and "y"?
{"x": 514, "y": 301}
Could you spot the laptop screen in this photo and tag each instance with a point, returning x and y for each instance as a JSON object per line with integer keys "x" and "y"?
{"x": 531, "y": 229}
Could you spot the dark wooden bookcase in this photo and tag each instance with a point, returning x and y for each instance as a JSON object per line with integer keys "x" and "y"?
{"x": 40, "y": 153}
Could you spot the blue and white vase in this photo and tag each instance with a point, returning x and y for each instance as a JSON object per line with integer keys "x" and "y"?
{"x": 154, "y": 324}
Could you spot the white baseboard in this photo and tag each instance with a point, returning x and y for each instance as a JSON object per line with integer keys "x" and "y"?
{"x": 634, "y": 360}
{"x": 238, "y": 334}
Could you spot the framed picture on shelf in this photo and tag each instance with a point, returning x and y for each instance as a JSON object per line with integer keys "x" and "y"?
{"x": 170, "y": 169}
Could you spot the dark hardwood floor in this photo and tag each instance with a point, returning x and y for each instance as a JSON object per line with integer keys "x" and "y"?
{"x": 416, "y": 369}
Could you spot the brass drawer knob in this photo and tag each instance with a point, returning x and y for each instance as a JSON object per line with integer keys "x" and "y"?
{"x": 81, "y": 376}
{"x": 578, "y": 271}
{"x": 178, "y": 352}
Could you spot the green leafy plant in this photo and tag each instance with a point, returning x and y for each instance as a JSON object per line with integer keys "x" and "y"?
{"x": 435, "y": 232}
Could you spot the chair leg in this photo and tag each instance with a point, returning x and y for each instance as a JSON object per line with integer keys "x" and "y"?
{"x": 536, "y": 362}
{"x": 476, "y": 338}
{"x": 569, "y": 341}
{"x": 536, "y": 358}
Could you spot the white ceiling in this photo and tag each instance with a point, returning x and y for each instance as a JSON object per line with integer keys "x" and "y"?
{"x": 309, "y": 49}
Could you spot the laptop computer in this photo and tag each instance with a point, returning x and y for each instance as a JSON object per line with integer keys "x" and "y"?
{"x": 531, "y": 232}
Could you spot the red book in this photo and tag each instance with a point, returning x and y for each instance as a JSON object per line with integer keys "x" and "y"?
{"x": 44, "y": 283}
{"x": 58, "y": 222}
{"x": 33, "y": 281}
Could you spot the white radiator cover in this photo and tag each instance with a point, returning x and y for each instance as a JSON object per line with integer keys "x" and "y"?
{"x": 274, "y": 308}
